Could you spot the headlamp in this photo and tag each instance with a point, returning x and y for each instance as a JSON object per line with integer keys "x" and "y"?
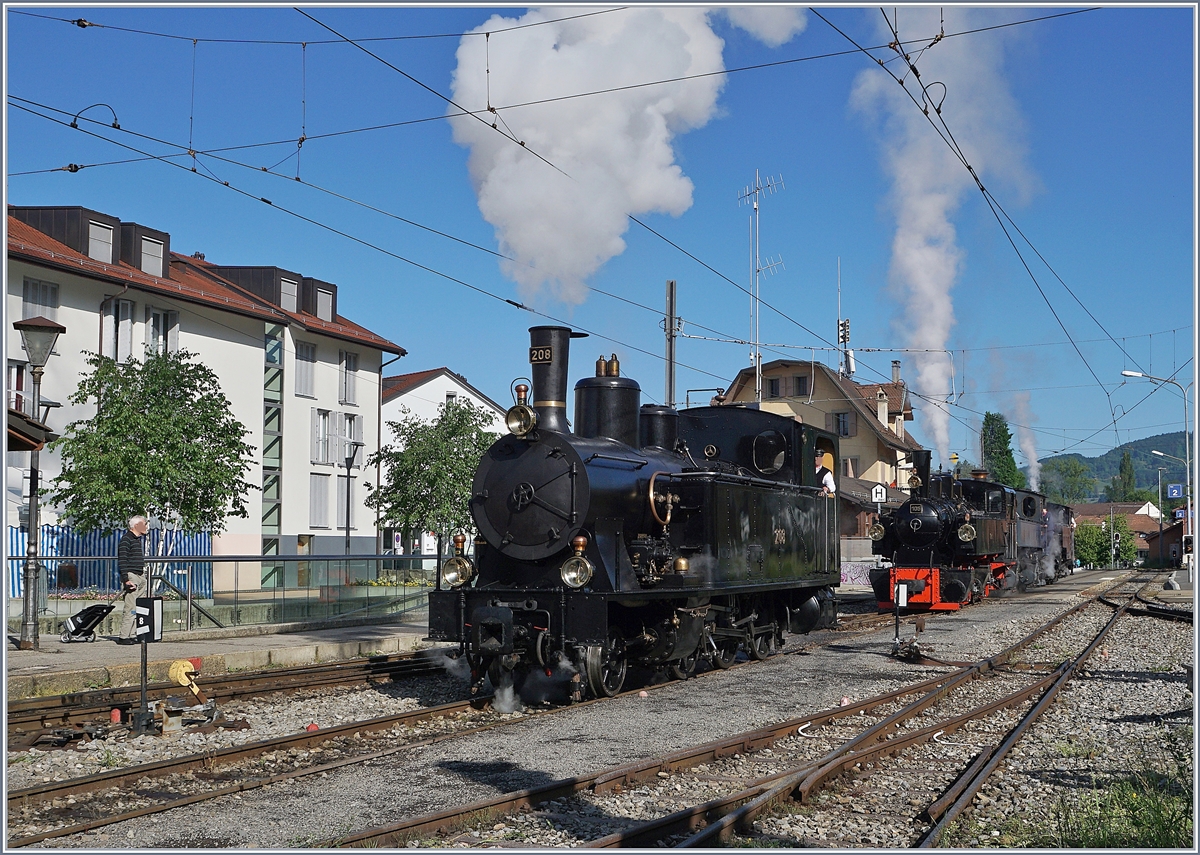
{"x": 520, "y": 418}
{"x": 577, "y": 571}
{"x": 457, "y": 571}
{"x": 966, "y": 532}
{"x": 876, "y": 531}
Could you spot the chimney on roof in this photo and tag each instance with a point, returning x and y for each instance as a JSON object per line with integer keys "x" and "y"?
{"x": 895, "y": 370}
{"x": 200, "y": 256}
{"x": 881, "y": 406}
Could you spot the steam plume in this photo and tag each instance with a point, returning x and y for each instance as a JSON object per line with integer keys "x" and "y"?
{"x": 929, "y": 183}
{"x": 616, "y": 147}
{"x": 1025, "y": 437}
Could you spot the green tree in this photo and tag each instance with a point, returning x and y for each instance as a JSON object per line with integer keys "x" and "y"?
{"x": 1094, "y": 543}
{"x": 163, "y": 442}
{"x": 1067, "y": 480}
{"x": 1124, "y": 487}
{"x": 429, "y": 469}
{"x": 997, "y": 452}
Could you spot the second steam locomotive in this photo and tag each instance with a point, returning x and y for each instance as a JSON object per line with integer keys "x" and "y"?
{"x": 956, "y": 541}
{"x": 647, "y": 536}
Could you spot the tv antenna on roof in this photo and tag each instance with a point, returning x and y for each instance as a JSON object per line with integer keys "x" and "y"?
{"x": 750, "y": 196}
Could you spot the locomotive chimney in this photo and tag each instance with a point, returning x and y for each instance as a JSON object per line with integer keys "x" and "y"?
{"x": 921, "y": 463}
{"x": 549, "y": 348}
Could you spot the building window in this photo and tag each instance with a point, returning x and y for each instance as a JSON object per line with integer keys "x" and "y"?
{"x": 100, "y": 242}
{"x": 287, "y": 295}
{"x": 843, "y": 424}
{"x": 773, "y": 387}
{"x": 162, "y": 330}
{"x": 117, "y": 329}
{"x": 324, "y": 304}
{"x": 152, "y": 256}
{"x": 348, "y": 393}
{"x": 321, "y": 436}
{"x": 800, "y": 385}
{"x": 451, "y": 397}
{"x": 306, "y": 359}
{"x": 850, "y": 467}
{"x": 353, "y": 431}
{"x": 341, "y": 501}
{"x": 318, "y": 501}
{"x": 16, "y": 388}
{"x": 39, "y": 299}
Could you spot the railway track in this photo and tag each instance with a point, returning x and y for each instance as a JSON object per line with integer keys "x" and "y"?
{"x": 82, "y": 804}
{"x": 747, "y": 775}
{"x": 62, "y": 718}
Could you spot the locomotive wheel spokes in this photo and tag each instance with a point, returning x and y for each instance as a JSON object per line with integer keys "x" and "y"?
{"x": 606, "y": 665}
{"x": 683, "y": 668}
{"x": 762, "y": 644}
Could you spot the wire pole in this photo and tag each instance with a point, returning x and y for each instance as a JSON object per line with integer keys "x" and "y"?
{"x": 750, "y": 195}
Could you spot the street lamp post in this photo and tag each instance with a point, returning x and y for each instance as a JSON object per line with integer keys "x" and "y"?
{"x": 354, "y": 446}
{"x": 38, "y": 335}
{"x": 1160, "y": 513}
{"x": 1187, "y": 445}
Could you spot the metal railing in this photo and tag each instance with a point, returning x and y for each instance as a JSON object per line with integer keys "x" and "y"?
{"x": 206, "y": 591}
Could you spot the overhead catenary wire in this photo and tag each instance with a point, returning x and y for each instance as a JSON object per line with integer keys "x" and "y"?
{"x": 947, "y": 136}
{"x": 363, "y": 242}
{"x": 772, "y": 307}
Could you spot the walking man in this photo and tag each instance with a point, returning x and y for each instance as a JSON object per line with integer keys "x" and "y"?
{"x": 131, "y": 564}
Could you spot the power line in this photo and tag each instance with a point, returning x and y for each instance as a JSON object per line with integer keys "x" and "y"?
{"x": 369, "y": 244}
{"x": 993, "y": 205}
{"x": 85, "y": 24}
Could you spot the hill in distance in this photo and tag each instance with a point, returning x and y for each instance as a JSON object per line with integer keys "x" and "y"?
{"x": 1145, "y": 465}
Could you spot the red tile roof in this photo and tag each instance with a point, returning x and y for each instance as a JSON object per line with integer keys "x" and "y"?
{"x": 401, "y": 383}
{"x": 189, "y": 280}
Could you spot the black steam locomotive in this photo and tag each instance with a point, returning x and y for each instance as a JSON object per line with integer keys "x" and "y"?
{"x": 648, "y": 536}
{"x": 956, "y": 541}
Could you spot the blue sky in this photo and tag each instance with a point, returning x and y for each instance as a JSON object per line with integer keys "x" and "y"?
{"x": 1080, "y": 127}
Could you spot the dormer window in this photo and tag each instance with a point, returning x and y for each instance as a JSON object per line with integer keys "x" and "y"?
{"x": 287, "y": 295}
{"x": 152, "y": 256}
{"x": 324, "y": 304}
{"x": 100, "y": 242}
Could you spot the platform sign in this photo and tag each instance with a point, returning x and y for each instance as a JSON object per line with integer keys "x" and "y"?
{"x": 879, "y": 494}
{"x": 148, "y": 619}
{"x": 1174, "y": 491}
{"x": 1180, "y": 513}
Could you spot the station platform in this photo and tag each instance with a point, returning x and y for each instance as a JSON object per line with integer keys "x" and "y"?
{"x": 57, "y": 667}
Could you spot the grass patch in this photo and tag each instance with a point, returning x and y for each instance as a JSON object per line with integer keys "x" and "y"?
{"x": 1149, "y": 809}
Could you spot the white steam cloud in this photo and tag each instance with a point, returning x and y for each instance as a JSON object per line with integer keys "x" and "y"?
{"x": 929, "y": 183}
{"x": 616, "y": 148}
{"x": 1024, "y": 417}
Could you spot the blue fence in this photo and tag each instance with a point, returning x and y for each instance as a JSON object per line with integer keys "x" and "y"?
{"x": 58, "y": 542}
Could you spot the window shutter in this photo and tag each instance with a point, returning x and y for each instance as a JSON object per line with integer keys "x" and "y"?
{"x": 173, "y": 332}
{"x": 852, "y": 423}
{"x": 124, "y": 330}
{"x": 829, "y": 422}
{"x": 314, "y": 447}
{"x": 150, "y": 343}
{"x": 318, "y": 501}
{"x": 339, "y": 446}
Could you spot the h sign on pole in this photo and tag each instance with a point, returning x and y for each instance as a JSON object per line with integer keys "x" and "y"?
{"x": 879, "y": 494}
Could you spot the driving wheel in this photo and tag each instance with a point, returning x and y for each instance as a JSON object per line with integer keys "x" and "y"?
{"x": 762, "y": 644}
{"x": 683, "y": 668}
{"x": 606, "y": 665}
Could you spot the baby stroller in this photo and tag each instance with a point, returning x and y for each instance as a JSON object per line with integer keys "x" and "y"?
{"x": 82, "y": 627}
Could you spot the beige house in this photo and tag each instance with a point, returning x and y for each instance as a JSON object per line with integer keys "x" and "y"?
{"x": 869, "y": 418}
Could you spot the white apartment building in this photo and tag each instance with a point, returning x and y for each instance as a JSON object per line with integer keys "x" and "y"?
{"x": 303, "y": 380}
